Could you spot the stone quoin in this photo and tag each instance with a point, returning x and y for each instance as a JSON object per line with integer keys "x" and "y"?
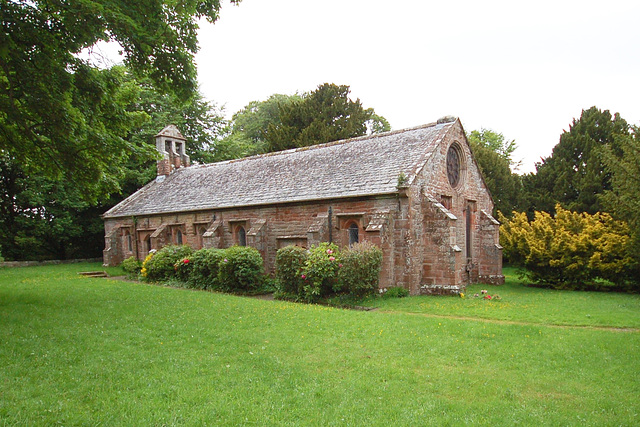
{"x": 416, "y": 193}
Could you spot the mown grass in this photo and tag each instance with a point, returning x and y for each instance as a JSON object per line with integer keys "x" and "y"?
{"x": 78, "y": 351}
{"x": 520, "y": 303}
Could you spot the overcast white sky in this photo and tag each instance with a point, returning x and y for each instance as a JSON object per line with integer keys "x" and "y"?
{"x": 524, "y": 69}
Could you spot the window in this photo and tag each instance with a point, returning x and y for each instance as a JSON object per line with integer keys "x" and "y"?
{"x": 179, "y": 237}
{"x": 201, "y": 232}
{"x": 453, "y": 165}
{"x": 241, "y": 236}
{"x": 147, "y": 243}
{"x": 354, "y": 231}
{"x": 469, "y": 224}
{"x": 126, "y": 241}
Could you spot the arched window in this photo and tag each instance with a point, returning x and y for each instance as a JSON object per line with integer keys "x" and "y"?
{"x": 127, "y": 241}
{"x": 241, "y": 236}
{"x": 179, "y": 237}
{"x": 354, "y": 232}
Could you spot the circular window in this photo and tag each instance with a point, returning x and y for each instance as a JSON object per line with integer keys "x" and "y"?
{"x": 454, "y": 165}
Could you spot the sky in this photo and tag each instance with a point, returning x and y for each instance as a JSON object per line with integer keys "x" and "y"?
{"x": 524, "y": 69}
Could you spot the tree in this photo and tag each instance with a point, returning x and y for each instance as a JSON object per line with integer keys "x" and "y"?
{"x": 574, "y": 175}
{"x": 493, "y": 155}
{"x": 495, "y": 142}
{"x": 200, "y": 121}
{"x": 62, "y": 117}
{"x": 41, "y": 218}
{"x": 259, "y": 128}
{"x": 624, "y": 197}
{"x": 324, "y": 115}
{"x": 45, "y": 218}
{"x": 249, "y": 126}
{"x": 569, "y": 250}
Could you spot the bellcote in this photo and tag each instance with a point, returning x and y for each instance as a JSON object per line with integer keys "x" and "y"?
{"x": 172, "y": 146}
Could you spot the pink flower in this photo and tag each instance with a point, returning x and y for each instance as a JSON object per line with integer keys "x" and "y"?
{"x": 487, "y": 297}
{"x": 331, "y": 258}
{"x": 186, "y": 261}
{"x": 340, "y": 265}
{"x": 225, "y": 260}
{"x": 484, "y": 291}
{"x": 329, "y": 251}
{"x": 304, "y": 276}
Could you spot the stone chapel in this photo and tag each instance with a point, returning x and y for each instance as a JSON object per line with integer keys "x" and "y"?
{"x": 416, "y": 193}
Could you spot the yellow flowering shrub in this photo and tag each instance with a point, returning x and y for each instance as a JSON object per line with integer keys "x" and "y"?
{"x": 569, "y": 250}
{"x": 144, "y": 271}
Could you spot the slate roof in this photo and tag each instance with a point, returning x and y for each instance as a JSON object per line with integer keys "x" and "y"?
{"x": 362, "y": 166}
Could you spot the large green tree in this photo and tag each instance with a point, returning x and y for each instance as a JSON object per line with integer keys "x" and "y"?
{"x": 199, "y": 120}
{"x": 62, "y": 117}
{"x": 249, "y": 126}
{"x": 494, "y": 157}
{"x": 43, "y": 218}
{"x": 574, "y": 175}
{"x": 624, "y": 197}
{"x": 323, "y": 115}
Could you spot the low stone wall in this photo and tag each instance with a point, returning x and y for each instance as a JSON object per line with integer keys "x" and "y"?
{"x": 48, "y": 262}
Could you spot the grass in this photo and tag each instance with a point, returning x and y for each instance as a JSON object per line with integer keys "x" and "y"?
{"x": 524, "y": 304}
{"x": 78, "y": 351}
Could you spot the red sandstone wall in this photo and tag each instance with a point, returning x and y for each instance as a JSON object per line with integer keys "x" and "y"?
{"x": 442, "y": 265}
{"x": 269, "y": 228}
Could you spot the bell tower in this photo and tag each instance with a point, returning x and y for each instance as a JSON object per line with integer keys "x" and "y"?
{"x": 172, "y": 146}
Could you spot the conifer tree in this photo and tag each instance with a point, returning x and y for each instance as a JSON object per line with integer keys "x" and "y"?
{"x": 574, "y": 175}
{"x": 324, "y": 115}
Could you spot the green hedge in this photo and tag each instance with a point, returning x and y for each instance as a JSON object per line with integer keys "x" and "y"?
{"x": 205, "y": 265}
{"x": 241, "y": 269}
{"x": 320, "y": 272}
{"x": 236, "y": 269}
{"x": 360, "y": 269}
{"x": 132, "y": 267}
{"x": 325, "y": 271}
{"x": 290, "y": 261}
{"x": 161, "y": 265}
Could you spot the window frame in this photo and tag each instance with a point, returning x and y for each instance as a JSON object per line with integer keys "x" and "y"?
{"x": 352, "y": 228}
{"x": 240, "y": 235}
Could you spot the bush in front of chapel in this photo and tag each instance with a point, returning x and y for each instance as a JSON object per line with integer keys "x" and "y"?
{"x": 205, "y": 264}
{"x": 289, "y": 264}
{"x": 241, "y": 269}
{"x": 325, "y": 271}
{"x": 161, "y": 266}
{"x": 360, "y": 269}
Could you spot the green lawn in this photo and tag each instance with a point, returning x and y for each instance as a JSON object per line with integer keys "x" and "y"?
{"x": 78, "y": 351}
{"x": 526, "y": 305}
